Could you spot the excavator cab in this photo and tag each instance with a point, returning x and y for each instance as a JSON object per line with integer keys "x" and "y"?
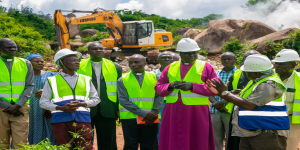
{"x": 138, "y": 33}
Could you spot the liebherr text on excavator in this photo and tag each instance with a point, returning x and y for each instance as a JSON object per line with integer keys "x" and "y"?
{"x": 129, "y": 36}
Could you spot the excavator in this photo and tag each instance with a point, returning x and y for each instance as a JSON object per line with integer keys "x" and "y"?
{"x": 129, "y": 36}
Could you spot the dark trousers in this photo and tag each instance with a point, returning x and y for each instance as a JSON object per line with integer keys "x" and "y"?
{"x": 233, "y": 142}
{"x": 105, "y": 132}
{"x": 62, "y": 136}
{"x": 265, "y": 141}
{"x": 135, "y": 134}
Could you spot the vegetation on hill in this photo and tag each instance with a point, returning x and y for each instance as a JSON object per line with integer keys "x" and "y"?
{"x": 28, "y": 39}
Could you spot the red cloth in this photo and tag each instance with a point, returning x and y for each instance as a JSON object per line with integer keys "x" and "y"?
{"x": 62, "y": 136}
{"x": 186, "y": 127}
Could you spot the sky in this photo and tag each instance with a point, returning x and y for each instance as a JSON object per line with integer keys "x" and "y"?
{"x": 182, "y": 9}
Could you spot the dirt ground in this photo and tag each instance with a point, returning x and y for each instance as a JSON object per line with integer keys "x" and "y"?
{"x": 120, "y": 140}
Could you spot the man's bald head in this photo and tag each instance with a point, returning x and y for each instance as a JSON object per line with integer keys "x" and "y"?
{"x": 175, "y": 57}
{"x": 95, "y": 44}
{"x": 138, "y": 56}
{"x": 231, "y": 54}
{"x": 137, "y": 63}
{"x": 251, "y": 52}
{"x": 164, "y": 53}
{"x": 5, "y": 40}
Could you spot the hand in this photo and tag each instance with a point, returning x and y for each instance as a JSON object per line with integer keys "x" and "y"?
{"x": 175, "y": 84}
{"x": 38, "y": 93}
{"x": 222, "y": 109}
{"x": 185, "y": 86}
{"x": 218, "y": 85}
{"x": 218, "y": 104}
{"x": 148, "y": 122}
{"x": 12, "y": 109}
{"x": 236, "y": 92}
{"x": 211, "y": 87}
{"x": 118, "y": 117}
{"x": 76, "y": 104}
{"x": 66, "y": 108}
{"x": 151, "y": 116}
{"x": 18, "y": 113}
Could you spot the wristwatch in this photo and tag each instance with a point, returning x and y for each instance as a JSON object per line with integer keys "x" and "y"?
{"x": 224, "y": 93}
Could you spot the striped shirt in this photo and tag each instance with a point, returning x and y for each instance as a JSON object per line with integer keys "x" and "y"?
{"x": 45, "y": 101}
{"x": 289, "y": 84}
{"x": 224, "y": 77}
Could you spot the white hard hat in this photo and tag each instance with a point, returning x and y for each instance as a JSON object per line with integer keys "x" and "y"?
{"x": 257, "y": 63}
{"x": 187, "y": 45}
{"x": 286, "y": 55}
{"x": 64, "y": 53}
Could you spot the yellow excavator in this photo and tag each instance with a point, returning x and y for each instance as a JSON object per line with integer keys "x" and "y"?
{"x": 129, "y": 36}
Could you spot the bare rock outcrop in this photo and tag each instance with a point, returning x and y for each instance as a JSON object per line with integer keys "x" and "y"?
{"x": 191, "y": 33}
{"x": 86, "y": 32}
{"x": 275, "y": 37}
{"x": 219, "y": 32}
{"x": 182, "y": 31}
{"x": 73, "y": 29}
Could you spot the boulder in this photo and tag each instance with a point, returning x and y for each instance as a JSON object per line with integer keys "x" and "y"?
{"x": 86, "y": 32}
{"x": 78, "y": 37}
{"x": 201, "y": 26}
{"x": 73, "y": 29}
{"x": 182, "y": 31}
{"x": 200, "y": 57}
{"x": 276, "y": 37}
{"x": 191, "y": 33}
{"x": 219, "y": 32}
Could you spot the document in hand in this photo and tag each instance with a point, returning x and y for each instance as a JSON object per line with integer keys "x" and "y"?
{"x": 140, "y": 118}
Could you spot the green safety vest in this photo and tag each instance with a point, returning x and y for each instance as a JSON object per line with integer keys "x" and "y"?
{"x": 109, "y": 72}
{"x": 193, "y": 75}
{"x": 142, "y": 97}
{"x": 236, "y": 77}
{"x": 12, "y": 85}
{"x": 62, "y": 94}
{"x": 296, "y": 104}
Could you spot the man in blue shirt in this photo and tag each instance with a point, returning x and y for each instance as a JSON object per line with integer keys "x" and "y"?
{"x": 219, "y": 115}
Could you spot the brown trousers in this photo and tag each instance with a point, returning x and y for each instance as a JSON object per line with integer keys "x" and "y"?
{"x": 62, "y": 136}
{"x": 15, "y": 128}
{"x": 265, "y": 141}
{"x": 293, "y": 140}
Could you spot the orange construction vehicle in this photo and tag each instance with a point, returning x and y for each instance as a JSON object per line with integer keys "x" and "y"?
{"x": 129, "y": 36}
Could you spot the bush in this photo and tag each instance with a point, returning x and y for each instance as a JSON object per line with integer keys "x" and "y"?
{"x": 293, "y": 41}
{"x": 99, "y": 36}
{"x": 236, "y": 47}
{"x": 274, "y": 48}
{"x": 27, "y": 38}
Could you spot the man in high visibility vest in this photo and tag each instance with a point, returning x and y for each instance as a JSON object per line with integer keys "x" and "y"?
{"x": 138, "y": 99}
{"x": 68, "y": 96}
{"x": 235, "y": 84}
{"x": 260, "y": 116}
{"x": 164, "y": 59}
{"x": 186, "y": 121}
{"x": 104, "y": 74}
{"x": 219, "y": 115}
{"x": 285, "y": 63}
{"x": 16, "y": 86}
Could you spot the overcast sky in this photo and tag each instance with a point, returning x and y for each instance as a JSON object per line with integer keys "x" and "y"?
{"x": 183, "y": 9}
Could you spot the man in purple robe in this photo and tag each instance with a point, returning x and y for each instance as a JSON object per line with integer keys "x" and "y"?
{"x": 186, "y": 122}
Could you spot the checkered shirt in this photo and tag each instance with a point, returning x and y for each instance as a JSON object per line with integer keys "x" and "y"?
{"x": 224, "y": 77}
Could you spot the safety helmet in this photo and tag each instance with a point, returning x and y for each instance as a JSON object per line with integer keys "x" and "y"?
{"x": 257, "y": 63}
{"x": 187, "y": 45}
{"x": 64, "y": 53}
{"x": 286, "y": 55}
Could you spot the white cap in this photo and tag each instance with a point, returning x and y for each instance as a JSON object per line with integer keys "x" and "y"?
{"x": 64, "y": 53}
{"x": 257, "y": 63}
{"x": 286, "y": 55}
{"x": 187, "y": 45}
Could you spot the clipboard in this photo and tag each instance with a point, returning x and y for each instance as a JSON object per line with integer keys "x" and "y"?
{"x": 140, "y": 118}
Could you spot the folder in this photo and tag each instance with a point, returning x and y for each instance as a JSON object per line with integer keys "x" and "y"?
{"x": 140, "y": 118}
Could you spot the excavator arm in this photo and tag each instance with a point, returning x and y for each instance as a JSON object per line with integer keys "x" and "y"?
{"x": 110, "y": 19}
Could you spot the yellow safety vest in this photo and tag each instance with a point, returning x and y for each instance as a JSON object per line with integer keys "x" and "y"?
{"x": 12, "y": 86}
{"x": 109, "y": 72}
{"x": 236, "y": 77}
{"x": 193, "y": 75}
{"x": 296, "y": 104}
{"x": 142, "y": 97}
